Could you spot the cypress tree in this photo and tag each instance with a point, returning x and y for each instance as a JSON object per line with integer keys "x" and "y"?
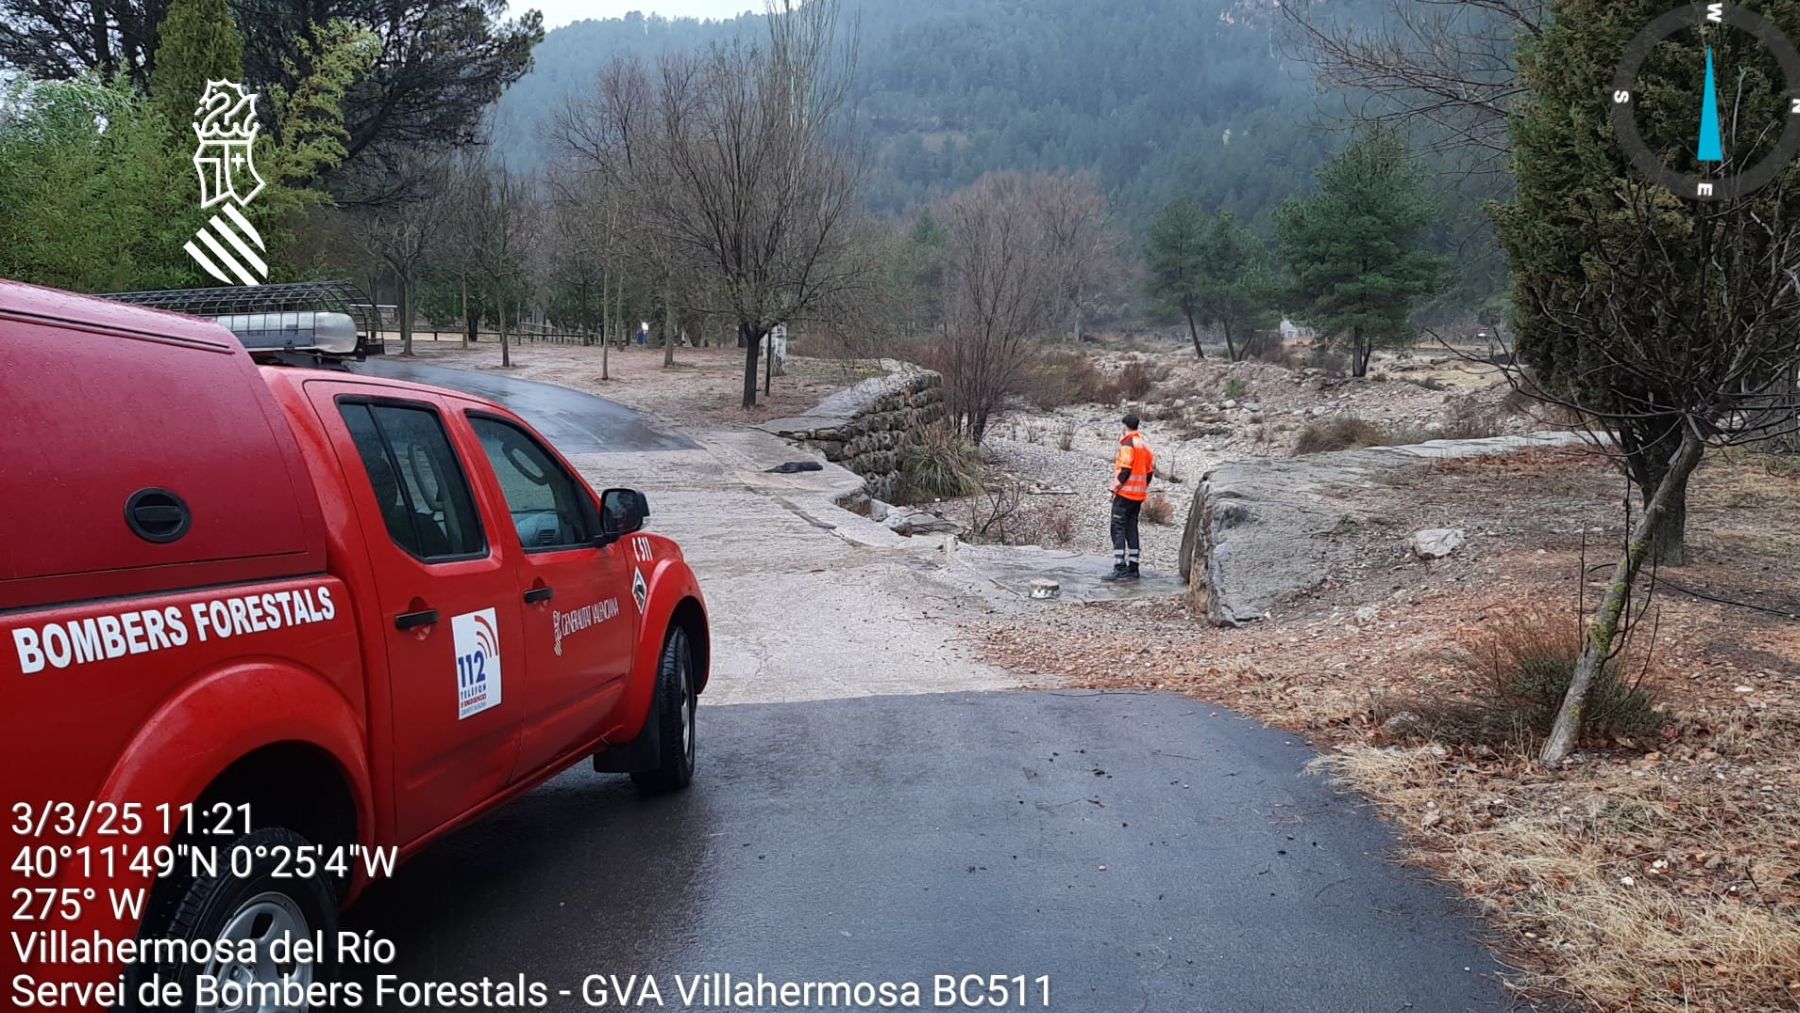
{"x": 1626, "y": 296}
{"x": 197, "y": 42}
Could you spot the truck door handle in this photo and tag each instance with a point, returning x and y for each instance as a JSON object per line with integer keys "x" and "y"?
{"x": 414, "y": 620}
{"x": 538, "y": 594}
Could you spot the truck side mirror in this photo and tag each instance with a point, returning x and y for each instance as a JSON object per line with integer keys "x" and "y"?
{"x": 622, "y": 511}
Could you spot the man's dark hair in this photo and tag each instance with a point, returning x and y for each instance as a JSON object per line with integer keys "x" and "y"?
{"x": 1131, "y": 421}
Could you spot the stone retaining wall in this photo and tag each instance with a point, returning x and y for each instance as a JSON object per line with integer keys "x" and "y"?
{"x": 866, "y": 427}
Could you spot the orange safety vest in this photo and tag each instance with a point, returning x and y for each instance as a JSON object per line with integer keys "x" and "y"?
{"x": 1134, "y": 454}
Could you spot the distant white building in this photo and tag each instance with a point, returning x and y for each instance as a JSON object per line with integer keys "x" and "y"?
{"x": 1291, "y": 331}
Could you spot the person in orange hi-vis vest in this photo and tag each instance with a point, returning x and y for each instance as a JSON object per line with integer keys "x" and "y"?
{"x": 1132, "y": 468}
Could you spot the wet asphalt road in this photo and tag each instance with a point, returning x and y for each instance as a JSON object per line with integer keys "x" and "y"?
{"x": 575, "y": 422}
{"x": 1147, "y": 852}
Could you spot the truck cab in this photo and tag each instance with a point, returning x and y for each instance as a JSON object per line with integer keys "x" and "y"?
{"x": 302, "y": 612}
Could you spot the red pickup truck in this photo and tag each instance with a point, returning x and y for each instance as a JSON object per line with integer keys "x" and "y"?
{"x": 298, "y": 618}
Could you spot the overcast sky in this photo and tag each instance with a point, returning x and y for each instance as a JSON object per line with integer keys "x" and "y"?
{"x": 561, "y": 12}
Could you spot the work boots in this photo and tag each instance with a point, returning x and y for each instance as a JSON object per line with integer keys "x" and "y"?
{"x": 1122, "y": 573}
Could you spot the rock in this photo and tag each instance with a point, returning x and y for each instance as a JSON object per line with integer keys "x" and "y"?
{"x": 1260, "y": 530}
{"x": 918, "y": 522}
{"x": 1436, "y": 543}
{"x": 878, "y": 510}
{"x": 1230, "y": 405}
{"x": 1366, "y": 614}
{"x": 1400, "y": 723}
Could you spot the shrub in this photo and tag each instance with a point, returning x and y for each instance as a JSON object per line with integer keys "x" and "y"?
{"x": 1132, "y": 384}
{"x": 1518, "y": 671}
{"x": 1066, "y": 378}
{"x": 1469, "y": 419}
{"x": 1264, "y": 345}
{"x": 1341, "y": 433}
{"x": 936, "y": 463}
{"x": 1158, "y": 509}
{"x": 1234, "y": 389}
{"x": 1052, "y": 523}
{"x": 1330, "y": 360}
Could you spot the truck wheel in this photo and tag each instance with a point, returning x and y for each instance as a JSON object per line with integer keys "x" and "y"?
{"x": 261, "y": 906}
{"x": 674, "y": 710}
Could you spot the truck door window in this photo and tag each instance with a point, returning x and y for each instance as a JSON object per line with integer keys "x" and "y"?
{"x": 545, "y": 500}
{"x": 425, "y": 500}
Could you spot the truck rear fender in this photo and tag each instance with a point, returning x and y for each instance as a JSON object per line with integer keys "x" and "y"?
{"x": 260, "y": 731}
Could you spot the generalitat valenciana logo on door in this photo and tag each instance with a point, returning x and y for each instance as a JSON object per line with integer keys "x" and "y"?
{"x": 228, "y": 247}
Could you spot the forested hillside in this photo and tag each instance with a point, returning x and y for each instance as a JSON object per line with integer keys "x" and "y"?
{"x": 1159, "y": 98}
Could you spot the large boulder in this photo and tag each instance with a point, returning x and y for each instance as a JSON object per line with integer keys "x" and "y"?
{"x": 1260, "y": 531}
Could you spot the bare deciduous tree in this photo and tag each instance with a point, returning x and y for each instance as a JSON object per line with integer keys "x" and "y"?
{"x": 401, "y": 232}
{"x": 498, "y": 215}
{"x": 1449, "y": 66}
{"x": 1082, "y": 242}
{"x": 1003, "y": 287}
{"x": 760, "y": 193}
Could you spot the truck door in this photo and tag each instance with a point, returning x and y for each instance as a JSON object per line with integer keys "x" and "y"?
{"x": 578, "y": 617}
{"x": 449, "y": 606}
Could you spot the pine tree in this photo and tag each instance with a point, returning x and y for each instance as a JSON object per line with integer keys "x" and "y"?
{"x": 1176, "y": 262}
{"x": 196, "y": 43}
{"x": 1353, "y": 250}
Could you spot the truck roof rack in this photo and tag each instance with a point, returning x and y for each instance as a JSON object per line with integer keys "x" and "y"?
{"x": 299, "y": 323}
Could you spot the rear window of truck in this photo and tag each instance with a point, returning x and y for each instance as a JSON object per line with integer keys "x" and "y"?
{"x": 424, "y": 498}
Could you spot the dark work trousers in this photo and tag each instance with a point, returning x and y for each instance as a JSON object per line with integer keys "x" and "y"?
{"x": 1125, "y": 531}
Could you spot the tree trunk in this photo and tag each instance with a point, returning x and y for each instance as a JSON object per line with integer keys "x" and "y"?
{"x": 1647, "y": 455}
{"x": 769, "y": 363}
{"x": 404, "y": 285}
{"x": 1231, "y": 352}
{"x": 468, "y": 325}
{"x": 505, "y": 346}
{"x": 1596, "y": 649}
{"x": 1668, "y": 547}
{"x": 751, "y": 344}
{"x": 668, "y": 330}
{"x": 1194, "y": 332}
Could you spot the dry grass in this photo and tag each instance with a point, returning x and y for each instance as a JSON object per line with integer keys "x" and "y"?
{"x": 938, "y": 464}
{"x": 1515, "y": 672}
{"x": 1341, "y": 433}
{"x": 1635, "y": 893}
{"x": 1158, "y": 509}
{"x": 1057, "y": 379}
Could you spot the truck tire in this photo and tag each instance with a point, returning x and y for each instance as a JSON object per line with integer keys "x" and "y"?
{"x": 259, "y": 905}
{"x": 674, "y": 711}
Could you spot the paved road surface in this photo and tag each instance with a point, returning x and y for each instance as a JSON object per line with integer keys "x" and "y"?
{"x": 577, "y": 423}
{"x": 851, "y": 821}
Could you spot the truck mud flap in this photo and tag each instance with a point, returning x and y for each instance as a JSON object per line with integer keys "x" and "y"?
{"x": 638, "y": 755}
